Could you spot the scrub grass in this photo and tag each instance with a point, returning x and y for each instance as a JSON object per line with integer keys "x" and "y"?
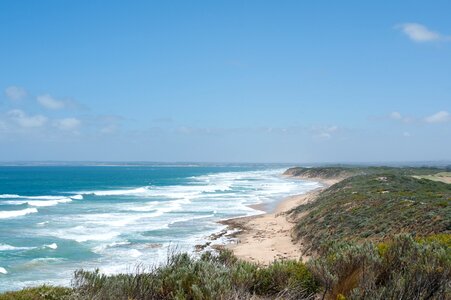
{"x": 374, "y": 207}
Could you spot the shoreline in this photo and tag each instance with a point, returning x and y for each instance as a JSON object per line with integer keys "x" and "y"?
{"x": 267, "y": 237}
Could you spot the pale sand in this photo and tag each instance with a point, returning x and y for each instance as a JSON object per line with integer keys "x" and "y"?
{"x": 268, "y": 237}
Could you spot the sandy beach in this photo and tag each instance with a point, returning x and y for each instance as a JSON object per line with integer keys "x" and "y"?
{"x": 267, "y": 237}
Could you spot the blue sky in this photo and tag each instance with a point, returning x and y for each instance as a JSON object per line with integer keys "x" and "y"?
{"x": 225, "y": 81}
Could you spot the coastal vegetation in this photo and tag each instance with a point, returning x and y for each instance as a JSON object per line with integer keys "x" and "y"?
{"x": 402, "y": 268}
{"x": 340, "y": 172}
{"x": 379, "y": 233}
{"x": 374, "y": 207}
{"x": 353, "y": 230}
{"x": 44, "y": 292}
{"x": 211, "y": 276}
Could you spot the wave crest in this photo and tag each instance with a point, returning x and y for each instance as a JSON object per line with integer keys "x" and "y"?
{"x": 17, "y": 213}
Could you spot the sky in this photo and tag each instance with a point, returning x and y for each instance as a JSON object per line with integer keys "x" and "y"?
{"x": 225, "y": 81}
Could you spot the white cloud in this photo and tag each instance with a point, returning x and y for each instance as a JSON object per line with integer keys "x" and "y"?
{"x": 49, "y": 102}
{"x": 439, "y": 117}
{"x": 15, "y": 93}
{"x": 397, "y": 116}
{"x": 325, "y": 132}
{"x": 68, "y": 123}
{"x": 25, "y": 121}
{"x": 406, "y": 134}
{"x": 420, "y": 33}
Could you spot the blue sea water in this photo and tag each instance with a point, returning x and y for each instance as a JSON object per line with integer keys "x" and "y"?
{"x": 56, "y": 219}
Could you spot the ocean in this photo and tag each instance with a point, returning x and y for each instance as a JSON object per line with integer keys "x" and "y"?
{"x": 56, "y": 219}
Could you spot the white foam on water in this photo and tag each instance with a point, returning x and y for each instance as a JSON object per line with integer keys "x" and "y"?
{"x": 113, "y": 269}
{"x": 149, "y": 207}
{"x": 9, "y": 196}
{"x": 82, "y": 234}
{"x": 47, "y": 259}
{"x": 51, "y": 246}
{"x": 125, "y": 192}
{"x": 43, "y": 261}
{"x": 135, "y": 253}
{"x": 101, "y": 248}
{"x": 115, "y": 244}
{"x": 17, "y": 213}
{"x": 39, "y": 203}
{"x": 189, "y": 218}
{"x": 103, "y": 227}
{"x": 3, "y": 271}
{"x": 6, "y": 247}
{"x": 157, "y": 208}
{"x": 186, "y": 192}
{"x": 14, "y": 202}
{"x": 110, "y": 219}
{"x": 43, "y": 197}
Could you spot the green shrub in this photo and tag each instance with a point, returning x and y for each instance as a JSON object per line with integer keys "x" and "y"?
{"x": 44, "y": 292}
{"x": 220, "y": 276}
{"x": 404, "y": 269}
{"x": 283, "y": 276}
{"x": 374, "y": 207}
{"x": 243, "y": 275}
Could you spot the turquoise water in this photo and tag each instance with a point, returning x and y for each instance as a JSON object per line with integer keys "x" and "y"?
{"x": 54, "y": 220}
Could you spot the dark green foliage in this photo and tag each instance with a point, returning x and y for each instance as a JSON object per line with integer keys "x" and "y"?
{"x": 406, "y": 269}
{"x": 375, "y": 207}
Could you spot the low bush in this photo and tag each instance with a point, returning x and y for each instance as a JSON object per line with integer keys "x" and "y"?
{"x": 374, "y": 208}
{"x": 402, "y": 269}
{"x": 44, "y": 292}
{"x": 220, "y": 276}
{"x": 285, "y": 277}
